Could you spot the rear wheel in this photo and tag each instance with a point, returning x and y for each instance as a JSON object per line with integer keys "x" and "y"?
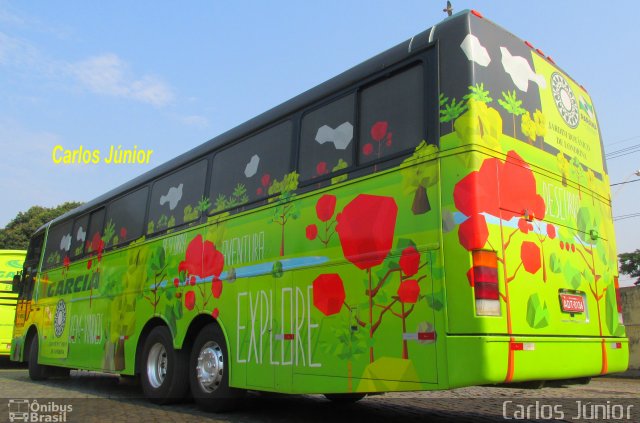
{"x": 164, "y": 369}
{"x": 209, "y": 372}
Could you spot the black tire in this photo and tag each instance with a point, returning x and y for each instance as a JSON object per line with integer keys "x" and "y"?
{"x": 344, "y": 399}
{"x": 36, "y": 371}
{"x": 163, "y": 369}
{"x": 209, "y": 372}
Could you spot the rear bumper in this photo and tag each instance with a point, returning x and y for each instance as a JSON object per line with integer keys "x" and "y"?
{"x": 475, "y": 360}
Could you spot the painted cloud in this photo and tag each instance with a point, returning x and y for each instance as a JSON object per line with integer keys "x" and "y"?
{"x": 340, "y": 137}
{"x": 65, "y": 242}
{"x": 173, "y": 197}
{"x": 475, "y": 51}
{"x": 81, "y": 235}
{"x": 520, "y": 71}
{"x": 252, "y": 167}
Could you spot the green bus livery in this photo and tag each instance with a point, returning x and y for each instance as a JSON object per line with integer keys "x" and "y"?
{"x": 438, "y": 216}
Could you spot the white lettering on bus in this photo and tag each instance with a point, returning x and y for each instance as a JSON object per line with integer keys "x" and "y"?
{"x": 175, "y": 244}
{"x": 295, "y": 309}
{"x": 86, "y": 328}
{"x": 561, "y": 203}
{"x": 243, "y": 249}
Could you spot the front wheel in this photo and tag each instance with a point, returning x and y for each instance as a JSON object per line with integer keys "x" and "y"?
{"x": 164, "y": 369}
{"x": 36, "y": 371}
{"x": 209, "y": 372}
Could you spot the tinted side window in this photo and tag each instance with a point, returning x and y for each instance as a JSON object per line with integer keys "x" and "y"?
{"x": 252, "y": 169}
{"x": 125, "y": 218}
{"x": 178, "y": 198}
{"x": 58, "y": 244}
{"x": 79, "y": 235}
{"x": 96, "y": 221}
{"x": 392, "y": 115}
{"x": 326, "y": 138}
{"x": 35, "y": 248}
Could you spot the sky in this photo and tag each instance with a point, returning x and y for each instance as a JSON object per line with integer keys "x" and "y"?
{"x": 168, "y": 76}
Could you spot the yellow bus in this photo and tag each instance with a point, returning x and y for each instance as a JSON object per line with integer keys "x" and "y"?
{"x": 10, "y": 265}
{"x": 438, "y": 216}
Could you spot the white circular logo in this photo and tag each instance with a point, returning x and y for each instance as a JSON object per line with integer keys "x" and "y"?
{"x": 565, "y": 100}
{"x": 60, "y": 318}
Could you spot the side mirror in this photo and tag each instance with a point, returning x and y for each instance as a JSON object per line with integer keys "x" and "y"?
{"x": 17, "y": 278}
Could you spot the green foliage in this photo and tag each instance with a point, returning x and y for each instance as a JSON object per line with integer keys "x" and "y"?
{"x": 586, "y": 223}
{"x": 347, "y": 344}
{"x": 436, "y": 300}
{"x": 163, "y": 221}
{"x": 572, "y": 274}
{"x": 340, "y": 178}
{"x": 510, "y": 103}
{"x": 16, "y": 235}
{"x": 220, "y": 203}
{"x": 555, "y": 263}
{"x": 109, "y": 232}
{"x": 190, "y": 213}
{"x": 478, "y": 93}
{"x": 537, "y": 312}
{"x": 288, "y": 184}
{"x": 205, "y": 204}
{"x": 452, "y": 110}
{"x": 276, "y": 270}
{"x": 630, "y": 265}
{"x": 151, "y": 227}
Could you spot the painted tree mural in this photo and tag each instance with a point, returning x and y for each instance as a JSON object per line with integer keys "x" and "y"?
{"x": 366, "y": 228}
{"x": 420, "y": 173}
{"x": 325, "y": 210}
{"x": 286, "y": 208}
{"x": 504, "y": 190}
{"x": 511, "y": 104}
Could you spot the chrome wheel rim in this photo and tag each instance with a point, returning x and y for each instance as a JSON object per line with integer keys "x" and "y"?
{"x": 157, "y": 365}
{"x": 210, "y": 366}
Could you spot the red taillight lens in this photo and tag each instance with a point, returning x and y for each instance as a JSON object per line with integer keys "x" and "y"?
{"x": 485, "y": 282}
{"x": 618, "y": 299}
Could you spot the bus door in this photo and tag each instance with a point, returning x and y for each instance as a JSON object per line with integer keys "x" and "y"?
{"x": 27, "y": 284}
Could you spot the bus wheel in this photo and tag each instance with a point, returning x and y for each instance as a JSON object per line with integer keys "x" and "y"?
{"x": 36, "y": 371}
{"x": 164, "y": 369}
{"x": 209, "y": 372}
{"x": 344, "y": 398}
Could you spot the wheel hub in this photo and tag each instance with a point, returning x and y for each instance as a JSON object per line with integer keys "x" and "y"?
{"x": 210, "y": 366}
{"x": 157, "y": 365}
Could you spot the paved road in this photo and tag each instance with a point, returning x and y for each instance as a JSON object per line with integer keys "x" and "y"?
{"x": 98, "y": 397}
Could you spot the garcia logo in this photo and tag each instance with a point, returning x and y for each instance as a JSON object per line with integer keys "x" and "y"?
{"x": 60, "y": 318}
{"x": 565, "y": 100}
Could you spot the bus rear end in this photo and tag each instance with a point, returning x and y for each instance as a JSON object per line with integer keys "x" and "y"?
{"x": 528, "y": 238}
{"x": 10, "y": 264}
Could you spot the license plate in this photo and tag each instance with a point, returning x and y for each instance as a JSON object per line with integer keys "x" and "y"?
{"x": 572, "y": 303}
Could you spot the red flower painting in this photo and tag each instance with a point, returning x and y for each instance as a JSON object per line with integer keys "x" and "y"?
{"x": 410, "y": 261}
{"x": 321, "y": 168}
{"x": 202, "y": 259}
{"x": 325, "y": 207}
{"x": 379, "y": 130}
{"x": 367, "y": 149}
{"x": 365, "y": 228}
{"x": 190, "y": 300}
{"x": 328, "y": 293}
{"x": 409, "y": 291}
{"x": 312, "y": 232}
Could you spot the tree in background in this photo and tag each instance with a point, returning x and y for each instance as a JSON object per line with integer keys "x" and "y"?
{"x": 15, "y": 236}
{"x": 630, "y": 265}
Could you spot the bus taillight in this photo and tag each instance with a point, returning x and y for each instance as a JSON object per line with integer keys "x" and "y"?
{"x": 485, "y": 283}
{"x": 618, "y": 299}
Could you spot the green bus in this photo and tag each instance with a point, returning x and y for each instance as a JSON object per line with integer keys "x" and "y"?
{"x": 438, "y": 216}
{"x": 10, "y": 265}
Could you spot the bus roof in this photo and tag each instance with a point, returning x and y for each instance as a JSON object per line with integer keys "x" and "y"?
{"x": 375, "y": 64}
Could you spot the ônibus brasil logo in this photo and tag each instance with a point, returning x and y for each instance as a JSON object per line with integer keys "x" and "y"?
{"x": 24, "y": 410}
{"x": 565, "y": 100}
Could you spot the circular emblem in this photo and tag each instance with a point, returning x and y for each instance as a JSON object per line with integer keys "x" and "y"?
{"x": 565, "y": 100}
{"x": 60, "y": 318}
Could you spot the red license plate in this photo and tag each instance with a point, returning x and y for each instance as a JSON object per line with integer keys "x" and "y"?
{"x": 572, "y": 303}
